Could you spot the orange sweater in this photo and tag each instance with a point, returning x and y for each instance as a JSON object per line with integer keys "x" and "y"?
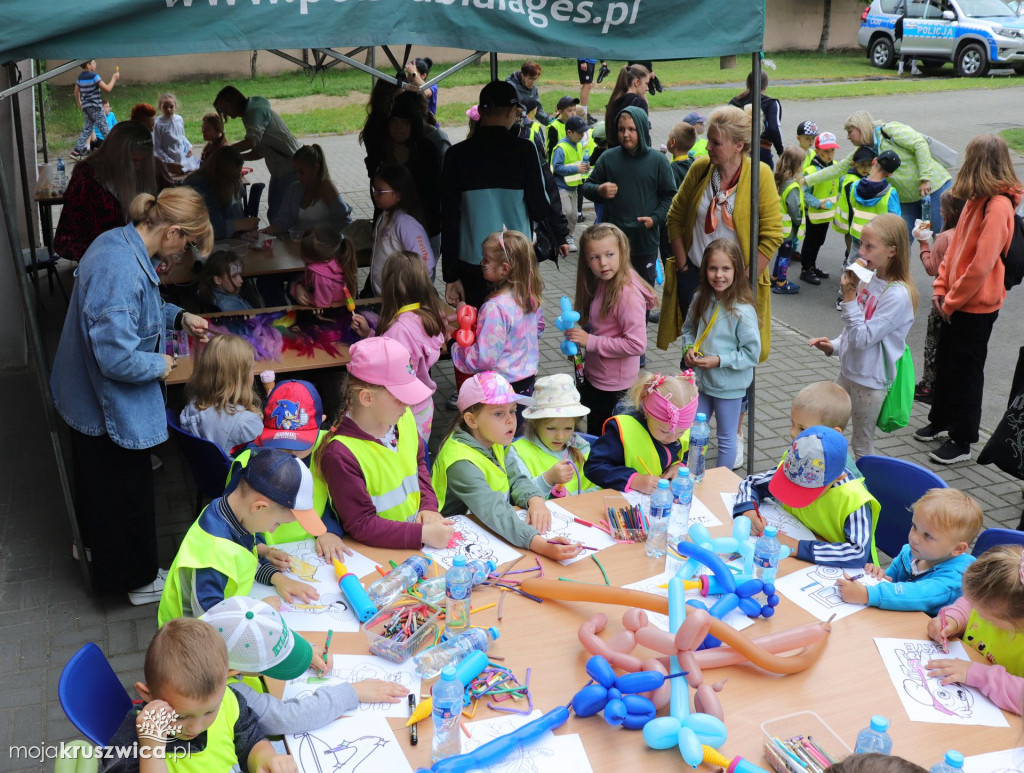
{"x": 971, "y": 276}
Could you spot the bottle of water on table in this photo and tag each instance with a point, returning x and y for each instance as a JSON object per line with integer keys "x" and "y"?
{"x": 766, "y": 554}
{"x": 385, "y": 590}
{"x": 447, "y": 708}
{"x": 875, "y": 737}
{"x": 700, "y": 433}
{"x": 430, "y": 662}
{"x": 682, "y": 499}
{"x": 62, "y": 176}
{"x": 953, "y": 762}
{"x": 657, "y": 527}
{"x": 481, "y": 569}
{"x": 458, "y": 591}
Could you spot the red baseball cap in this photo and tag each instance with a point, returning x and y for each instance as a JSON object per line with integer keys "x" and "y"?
{"x": 291, "y": 417}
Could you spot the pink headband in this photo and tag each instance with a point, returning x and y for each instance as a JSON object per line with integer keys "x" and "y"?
{"x": 661, "y": 408}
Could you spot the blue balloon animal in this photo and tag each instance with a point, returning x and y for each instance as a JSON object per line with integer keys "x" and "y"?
{"x": 566, "y": 321}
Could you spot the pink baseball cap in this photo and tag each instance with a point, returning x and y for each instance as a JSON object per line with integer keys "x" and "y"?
{"x": 489, "y": 388}
{"x": 387, "y": 363}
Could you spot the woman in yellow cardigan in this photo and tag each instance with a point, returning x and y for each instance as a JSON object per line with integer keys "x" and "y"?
{"x": 712, "y": 203}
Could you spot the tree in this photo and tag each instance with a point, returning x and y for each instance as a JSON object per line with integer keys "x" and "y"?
{"x": 826, "y": 28}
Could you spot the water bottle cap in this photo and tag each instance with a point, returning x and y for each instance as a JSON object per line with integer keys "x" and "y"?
{"x": 448, "y": 674}
{"x": 491, "y": 566}
{"x": 684, "y": 472}
{"x": 879, "y": 723}
{"x": 459, "y": 560}
{"x": 954, "y": 759}
{"x": 662, "y": 483}
{"x": 702, "y": 417}
{"x": 770, "y": 531}
{"x": 495, "y": 633}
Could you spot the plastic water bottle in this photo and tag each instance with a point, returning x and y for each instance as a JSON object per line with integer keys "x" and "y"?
{"x": 447, "y": 708}
{"x": 951, "y": 763}
{"x": 682, "y": 499}
{"x": 700, "y": 432}
{"x": 458, "y": 591}
{"x": 874, "y": 737}
{"x": 385, "y": 590}
{"x": 62, "y": 175}
{"x": 481, "y": 569}
{"x": 766, "y": 554}
{"x": 926, "y": 209}
{"x": 657, "y": 528}
{"x": 430, "y": 662}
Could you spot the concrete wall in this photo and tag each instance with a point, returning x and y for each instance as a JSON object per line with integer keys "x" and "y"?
{"x": 792, "y": 24}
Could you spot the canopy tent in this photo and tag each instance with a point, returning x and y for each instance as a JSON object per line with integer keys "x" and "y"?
{"x": 607, "y": 29}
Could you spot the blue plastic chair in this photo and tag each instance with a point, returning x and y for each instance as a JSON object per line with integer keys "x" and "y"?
{"x": 992, "y": 537}
{"x": 896, "y": 484}
{"x": 209, "y": 463}
{"x": 92, "y": 696}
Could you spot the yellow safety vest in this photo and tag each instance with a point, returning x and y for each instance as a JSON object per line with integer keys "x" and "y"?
{"x": 700, "y": 148}
{"x": 827, "y": 514}
{"x": 252, "y": 680}
{"x": 292, "y": 531}
{"x": 841, "y": 224}
{"x": 787, "y": 221}
{"x": 862, "y": 214}
{"x": 638, "y": 446}
{"x": 202, "y": 550}
{"x": 559, "y": 126}
{"x": 536, "y": 127}
{"x": 823, "y": 191}
{"x": 1000, "y": 647}
{"x": 392, "y": 477}
{"x": 539, "y": 460}
{"x": 455, "y": 451}
{"x": 809, "y": 155}
{"x": 573, "y": 156}
{"x": 219, "y": 755}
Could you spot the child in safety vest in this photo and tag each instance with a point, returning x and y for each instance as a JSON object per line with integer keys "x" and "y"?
{"x": 989, "y": 617}
{"x": 218, "y": 556}
{"x": 292, "y": 419}
{"x": 928, "y": 572}
{"x": 190, "y": 719}
{"x": 374, "y": 461}
{"x": 532, "y": 129}
{"x": 565, "y": 109}
{"x": 821, "y": 208}
{"x": 551, "y": 450}
{"x": 791, "y": 199}
{"x": 471, "y": 471}
{"x": 806, "y": 132}
{"x": 813, "y": 483}
{"x": 570, "y": 164}
{"x": 860, "y": 168}
{"x": 872, "y": 196}
{"x": 700, "y": 144}
{"x": 650, "y": 439}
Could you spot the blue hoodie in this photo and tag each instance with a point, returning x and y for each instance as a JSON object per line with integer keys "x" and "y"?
{"x": 928, "y": 592}
{"x": 868, "y": 192}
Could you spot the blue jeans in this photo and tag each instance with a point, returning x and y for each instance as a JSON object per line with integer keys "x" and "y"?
{"x": 727, "y": 413}
{"x": 911, "y": 210}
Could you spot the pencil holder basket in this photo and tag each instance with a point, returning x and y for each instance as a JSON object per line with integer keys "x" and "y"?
{"x": 402, "y": 629}
{"x": 801, "y": 743}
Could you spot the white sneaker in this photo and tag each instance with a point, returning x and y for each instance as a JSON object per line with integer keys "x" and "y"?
{"x": 740, "y": 446}
{"x": 149, "y": 593}
{"x": 899, "y": 67}
{"x": 572, "y": 244}
{"x": 914, "y": 70}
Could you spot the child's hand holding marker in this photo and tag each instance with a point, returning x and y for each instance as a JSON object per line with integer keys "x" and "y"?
{"x": 851, "y": 591}
{"x": 942, "y": 628}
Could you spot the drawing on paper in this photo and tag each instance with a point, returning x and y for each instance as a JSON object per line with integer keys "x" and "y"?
{"x": 472, "y": 541}
{"x": 521, "y": 760}
{"x": 822, "y": 586}
{"x": 304, "y": 565}
{"x": 1005, "y": 761}
{"x": 359, "y": 673}
{"x": 315, "y": 754}
{"x": 951, "y": 700}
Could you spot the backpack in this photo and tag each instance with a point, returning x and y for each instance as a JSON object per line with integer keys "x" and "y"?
{"x": 1013, "y": 258}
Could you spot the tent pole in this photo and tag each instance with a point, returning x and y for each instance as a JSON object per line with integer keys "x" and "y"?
{"x": 37, "y": 349}
{"x": 494, "y": 65}
{"x": 14, "y": 76}
{"x": 475, "y": 57}
{"x": 755, "y": 194}
{"x": 40, "y": 78}
{"x": 41, "y": 112}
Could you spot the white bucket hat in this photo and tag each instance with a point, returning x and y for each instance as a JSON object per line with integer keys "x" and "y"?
{"x": 556, "y": 397}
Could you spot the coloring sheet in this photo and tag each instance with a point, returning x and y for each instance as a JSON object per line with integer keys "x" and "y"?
{"x": 699, "y": 512}
{"x": 736, "y": 619}
{"x": 777, "y": 517}
{"x": 924, "y": 698}
{"x": 563, "y": 524}
{"x": 331, "y": 610}
{"x": 359, "y": 744}
{"x": 355, "y": 668}
{"x": 1007, "y": 761}
{"x": 816, "y": 589}
{"x": 548, "y": 754}
{"x": 473, "y": 541}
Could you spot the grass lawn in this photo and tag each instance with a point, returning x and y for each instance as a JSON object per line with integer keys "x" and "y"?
{"x": 559, "y": 77}
{"x": 1014, "y": 138}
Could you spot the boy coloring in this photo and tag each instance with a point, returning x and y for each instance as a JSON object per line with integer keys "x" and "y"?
{"x": 928, "y": 572}
{"x": 826, "y": 404}
{"x": 87, "y": 95}
{"x": 570, "y": 164}
{"x": 218, "y": 557}
{"x": 813, "y": 483}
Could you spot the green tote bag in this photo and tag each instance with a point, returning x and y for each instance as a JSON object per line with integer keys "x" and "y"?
{"x": 899, "y": 400}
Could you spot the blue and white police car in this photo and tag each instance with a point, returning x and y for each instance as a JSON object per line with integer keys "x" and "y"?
{"x": 972, "y": 34}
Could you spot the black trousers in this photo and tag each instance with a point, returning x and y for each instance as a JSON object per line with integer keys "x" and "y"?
{"x": 813, "y": 239}
{"x": 114, "y": 500}
{"x": 601, "y": 404}
{"x": 960, "y": 375}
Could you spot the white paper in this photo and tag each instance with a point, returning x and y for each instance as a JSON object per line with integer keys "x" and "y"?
{"x": 735, "y": 618}
{"x": 355, "y": 668}
{"x": 815, "y": 589}
{"x": 924, "y": 698}
{"x": 563, "y": 524}
{"x": 550, "y": 753}
{"x": 361, "y": 743}
{"x": 699, "y": 512}
{"x": 1006, "y": 761}
{"x": 785, "y": 522}
{"x": 331, "y": 611}
{"x": 473, "y": 541}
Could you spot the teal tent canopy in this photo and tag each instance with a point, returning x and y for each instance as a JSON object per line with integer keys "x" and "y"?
{"x": 612, "y": 29}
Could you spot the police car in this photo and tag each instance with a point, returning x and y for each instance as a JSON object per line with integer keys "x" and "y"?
{"x": 972, "y": 34}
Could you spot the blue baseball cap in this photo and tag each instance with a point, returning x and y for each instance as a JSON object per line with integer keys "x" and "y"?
{"x": 285, "y": 480}
{"x": 815, "y": 460}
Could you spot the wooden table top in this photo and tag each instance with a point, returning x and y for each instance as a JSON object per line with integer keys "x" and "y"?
{"x": 845, "y": 686}
{"x": 282, "y": 258}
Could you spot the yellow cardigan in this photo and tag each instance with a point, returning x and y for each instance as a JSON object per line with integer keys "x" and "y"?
{"x": 682, "y": 216}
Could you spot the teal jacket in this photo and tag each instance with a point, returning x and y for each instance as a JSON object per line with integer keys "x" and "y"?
{"x": 928, "y": 592}
{"x": 735, "y": 338}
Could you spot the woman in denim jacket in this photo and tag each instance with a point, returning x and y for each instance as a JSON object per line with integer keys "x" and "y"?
{"x": 107, "y": 382}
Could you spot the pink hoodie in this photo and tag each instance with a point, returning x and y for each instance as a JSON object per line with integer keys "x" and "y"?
{"x": 325, "y": 283}
{"x": 616, "y": 342}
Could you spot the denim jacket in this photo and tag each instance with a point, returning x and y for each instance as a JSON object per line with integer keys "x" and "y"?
{"x": 106, "y": 376}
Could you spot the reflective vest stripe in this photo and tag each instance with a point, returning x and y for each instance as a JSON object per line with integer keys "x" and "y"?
{"x": 841, "y": 224}
{"x": 638, "y": 446}
{"x": 573, "y": 157}
{"x": 456, "y": 451}
{"x": 787, "y": 221}
{"x": 823, "y": 191}
{"x": 862, "y": 215}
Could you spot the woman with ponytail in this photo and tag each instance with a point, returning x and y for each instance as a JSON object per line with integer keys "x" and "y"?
{"x": 106, "y": 382}
{"x": 312, "y": 199}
